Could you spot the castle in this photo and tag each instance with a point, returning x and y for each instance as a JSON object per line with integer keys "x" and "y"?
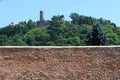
{"x": 42, "y": 21}
{"x": 12, "y": 24}
{"x": 62, "y": 17}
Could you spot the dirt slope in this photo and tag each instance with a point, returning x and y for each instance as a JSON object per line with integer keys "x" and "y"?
{"x": 87, "y": 63}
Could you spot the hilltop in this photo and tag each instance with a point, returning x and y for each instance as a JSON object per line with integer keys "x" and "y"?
{"x": 81, "y": 31}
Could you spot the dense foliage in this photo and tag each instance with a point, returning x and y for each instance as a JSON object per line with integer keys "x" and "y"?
{"x": 80, "y": 31}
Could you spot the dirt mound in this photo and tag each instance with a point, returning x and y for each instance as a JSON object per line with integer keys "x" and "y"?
{"x": 87, "y": 63}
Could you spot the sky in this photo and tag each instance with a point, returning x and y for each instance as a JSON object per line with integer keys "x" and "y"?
{"x": 23, "y": 10}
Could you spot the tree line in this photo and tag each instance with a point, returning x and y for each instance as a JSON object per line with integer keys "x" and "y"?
{"x": 80, "y": 31}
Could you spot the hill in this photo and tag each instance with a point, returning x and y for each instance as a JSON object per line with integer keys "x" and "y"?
{"x": 82, "y": 30}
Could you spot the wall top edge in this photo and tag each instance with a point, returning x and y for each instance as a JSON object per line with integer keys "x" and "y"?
{"x": 58, "y": 46}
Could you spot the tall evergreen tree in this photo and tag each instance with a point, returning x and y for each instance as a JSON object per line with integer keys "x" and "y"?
{"x": 97, "y": 36}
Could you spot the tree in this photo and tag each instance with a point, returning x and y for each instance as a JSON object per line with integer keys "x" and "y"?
{"x": 74, "y": 41}
{"x": 29, "y": 38}
{"x": 41, "y": 36}
{"x": 56, "y": 29}
{"x": 75, "y": 18}
{"x": 30, "y": 24}
{"x": 15, "y": 41}
{"x": 3, "y": 39}
{"x": 55, "y": 18}
{"x": 97, "y": 36}
{"x": 80, "y": 31}
{"x": 37, "y": 37}
{"x": 112, "y": 34}
{"x": 83, "y": 30}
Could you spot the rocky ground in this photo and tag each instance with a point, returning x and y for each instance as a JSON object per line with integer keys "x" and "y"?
{"x": 60, "y": 63}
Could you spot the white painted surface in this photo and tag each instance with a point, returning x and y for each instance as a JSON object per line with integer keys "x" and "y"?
{"x": 57, "y": 46}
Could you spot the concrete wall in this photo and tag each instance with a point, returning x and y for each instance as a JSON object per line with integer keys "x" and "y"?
{"x": 60, "y": 63}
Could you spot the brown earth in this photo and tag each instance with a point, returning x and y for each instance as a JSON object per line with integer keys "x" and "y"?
{"x": 87, "y": 63}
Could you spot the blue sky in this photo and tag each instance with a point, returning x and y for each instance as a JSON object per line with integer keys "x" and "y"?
{"x": 23, "y": 10}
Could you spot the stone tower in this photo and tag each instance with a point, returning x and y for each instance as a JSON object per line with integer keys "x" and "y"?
{"x": 42, "y": 21}
{"x": 41, "y": 16}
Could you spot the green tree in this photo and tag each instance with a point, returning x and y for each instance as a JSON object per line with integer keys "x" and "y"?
{"x": 83, "y": 30}
{"x": 74, "y": 41}
{"x": 29, "y": 38}
{"x": 37, "y": 37}
{"x": 97, "y": 36}
{"x": 41, "y": 36}
{"x": 112, "y": 34}
{"x": 30, "y": 24}
{"x": 3, "y": 39}
{"x": 80, "y": 31}
{"x": 15, "y": 41}
{"x": 75, "y": 18}
{"x": 56, "y": 29}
